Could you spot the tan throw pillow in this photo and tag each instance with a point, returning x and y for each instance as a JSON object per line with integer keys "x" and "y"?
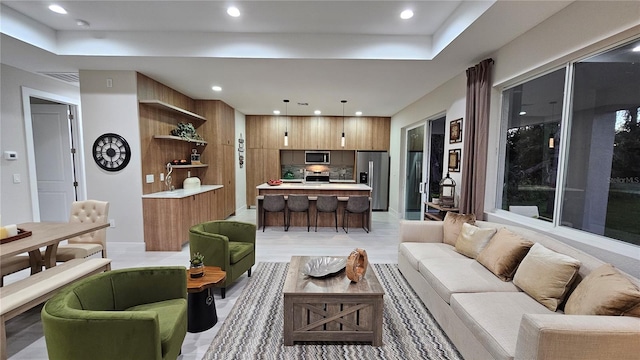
{"x": 473, "y": 239}
{"x": 503, "y": 253}
{"x": 453, "y": 225}
{"x": 605, "y": 291}
{"x": 546, "y": 275}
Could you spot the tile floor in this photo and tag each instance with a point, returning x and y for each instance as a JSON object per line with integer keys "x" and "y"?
{"x": 24, "y": 333}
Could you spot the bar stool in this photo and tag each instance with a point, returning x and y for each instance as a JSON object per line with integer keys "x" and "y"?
{"x": 355, "y": 205}
{"x": 273, "y": 203}
{"x": 298, "y": 203}
{"x": 327, "y": 204}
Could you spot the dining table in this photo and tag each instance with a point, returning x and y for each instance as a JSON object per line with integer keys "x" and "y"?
{"x": 45, "y": 234}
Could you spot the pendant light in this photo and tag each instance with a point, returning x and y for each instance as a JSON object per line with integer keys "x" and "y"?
{"x": 286, "y": 127}
{"x": 342, "y": 139}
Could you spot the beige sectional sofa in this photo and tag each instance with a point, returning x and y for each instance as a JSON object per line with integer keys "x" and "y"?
{"x": 488, "y": 318}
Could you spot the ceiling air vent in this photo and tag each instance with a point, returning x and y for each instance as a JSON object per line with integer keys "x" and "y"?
{"x": 69, "y": 77}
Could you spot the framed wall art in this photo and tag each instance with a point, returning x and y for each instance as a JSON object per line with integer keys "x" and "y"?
{"x": 455, "y": 131}
{"x": 454, "y": 160}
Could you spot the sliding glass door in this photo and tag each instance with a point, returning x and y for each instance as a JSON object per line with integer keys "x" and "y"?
{"x": 423, "y": 172}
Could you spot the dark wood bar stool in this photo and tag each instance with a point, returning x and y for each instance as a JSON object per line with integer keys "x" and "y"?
{"x": 298, "y": 203}
{"x": 327, "y": 204}
{"x": 356, "y": 205}
{"x": 274, "y": 203}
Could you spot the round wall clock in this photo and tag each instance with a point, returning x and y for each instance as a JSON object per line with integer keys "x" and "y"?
{"x": 111, "y": 152}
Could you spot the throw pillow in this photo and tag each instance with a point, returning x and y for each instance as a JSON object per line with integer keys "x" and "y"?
{"x": 473, "y": 239}
{"x": 546, "y": 275}
{"x": 605, "y": 291}
{"x": 453, "y": 225}
{"x": 503, "y": 253}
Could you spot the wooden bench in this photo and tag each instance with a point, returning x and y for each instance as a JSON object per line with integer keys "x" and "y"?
{"x": 25, "y": 294}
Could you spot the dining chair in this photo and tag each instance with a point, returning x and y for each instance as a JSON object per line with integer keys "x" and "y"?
{"x": 327, "y": 204}
{"x": 83, "y": 246}
{"x": 356, "y": 205}
{"x": 297, "y": 203}
{"x": 273, "y": 203}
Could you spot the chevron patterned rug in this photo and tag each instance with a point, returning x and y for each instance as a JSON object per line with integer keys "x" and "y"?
{"x": 253, "y": 329}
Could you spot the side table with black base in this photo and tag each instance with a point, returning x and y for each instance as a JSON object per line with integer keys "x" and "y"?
{"x": 201, "y": 311}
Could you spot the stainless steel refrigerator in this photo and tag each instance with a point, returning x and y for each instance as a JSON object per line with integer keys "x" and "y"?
{"x": 373, "y": 169}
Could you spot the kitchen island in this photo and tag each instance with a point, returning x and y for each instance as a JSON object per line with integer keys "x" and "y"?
{"x": 342, "y": 190}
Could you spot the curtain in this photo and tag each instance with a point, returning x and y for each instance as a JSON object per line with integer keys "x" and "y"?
{"x": 476, "y": 133}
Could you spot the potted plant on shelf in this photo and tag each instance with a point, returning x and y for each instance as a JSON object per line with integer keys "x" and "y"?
{"x": 196, "y": 269}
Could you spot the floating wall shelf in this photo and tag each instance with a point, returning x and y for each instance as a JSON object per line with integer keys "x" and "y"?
{"x": 168, "y": 107}
{"x": 178, "y": 138}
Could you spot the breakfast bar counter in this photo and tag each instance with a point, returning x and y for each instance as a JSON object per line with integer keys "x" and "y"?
{"x": 341, "y": 190}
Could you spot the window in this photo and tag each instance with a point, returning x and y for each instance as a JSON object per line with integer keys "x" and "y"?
{"x": 599, "y": 191}
{"x": 533, "y": 113}
{"x": 602, "y": 189}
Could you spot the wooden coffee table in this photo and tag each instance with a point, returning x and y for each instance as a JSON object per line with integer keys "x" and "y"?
{"x": 331, "y": 308}
{"x": 201, "y": 309}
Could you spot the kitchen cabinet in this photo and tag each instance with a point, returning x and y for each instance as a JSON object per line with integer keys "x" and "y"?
{"x": 259, "y": 174}
{"x": 373, "y": 133}
{"x": 169, "y": 215}
{"x": 350, "y": 134}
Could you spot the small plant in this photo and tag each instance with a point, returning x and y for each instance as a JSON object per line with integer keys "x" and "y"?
{"x": 197, "y": 259}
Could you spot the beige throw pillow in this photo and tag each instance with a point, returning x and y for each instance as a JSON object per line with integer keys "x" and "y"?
{"x": 453, "y": 225}
{"x": 605, "y": 291}
{"x": 473, "y": 239}
{"x": 503, "y": 253}
{"x": 546, "y": 275}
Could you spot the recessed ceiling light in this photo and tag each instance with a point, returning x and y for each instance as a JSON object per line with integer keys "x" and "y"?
{"x": 523, "y": 113}
{"x": 358, "y": 113}
{"x": 216, "y": 88}
{"x": 233, "y": 11}
{"x": 407, "y": 14}
{"x": 57, "y": 9}
{"x": 637, "y": 48}
{"x": 82, "y": 23}
{"x": 317, "y": 112}
{"x": 276, "y": 112}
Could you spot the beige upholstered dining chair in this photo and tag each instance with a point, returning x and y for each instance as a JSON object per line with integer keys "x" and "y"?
{"x": 88, "y": 244}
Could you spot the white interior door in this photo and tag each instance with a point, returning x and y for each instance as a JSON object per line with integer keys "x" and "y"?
{"x": 54, "y": 162}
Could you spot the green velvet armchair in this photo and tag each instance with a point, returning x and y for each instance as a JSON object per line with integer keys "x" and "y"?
{"x": 227, "y": 244}
{"x": 137, "y": 313}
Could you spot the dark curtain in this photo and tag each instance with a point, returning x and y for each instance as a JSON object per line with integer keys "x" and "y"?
{"x": 476, "y": 132}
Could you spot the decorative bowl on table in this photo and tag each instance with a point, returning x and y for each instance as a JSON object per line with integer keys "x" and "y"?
{"x": 273, "y": 182}
{"x": 324, "y": 266}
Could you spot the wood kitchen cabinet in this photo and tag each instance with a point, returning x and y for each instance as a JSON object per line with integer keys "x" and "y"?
{"x": 167, "y": 220}
{"x": 256, "y": 175}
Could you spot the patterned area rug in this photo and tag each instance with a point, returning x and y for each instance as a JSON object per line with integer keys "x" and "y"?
{"x": 253, "y": 329}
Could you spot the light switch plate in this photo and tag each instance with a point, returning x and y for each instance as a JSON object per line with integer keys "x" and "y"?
{"x": 150, "y": 179}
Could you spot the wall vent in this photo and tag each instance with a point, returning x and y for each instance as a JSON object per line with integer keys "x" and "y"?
{"x": 69, "y": 77}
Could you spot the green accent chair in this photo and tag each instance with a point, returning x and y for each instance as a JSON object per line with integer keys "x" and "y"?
{"x": 136, "y": 313}
{"x": 229, "y": 245}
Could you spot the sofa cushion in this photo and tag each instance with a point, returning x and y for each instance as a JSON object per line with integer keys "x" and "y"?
{"x": 450, "y": 276}
{"x": 170, "y": 314}
{"x": 546, "y": 275}
{"x": 503, "y": 253}
{"x": 414, "y": 252}
{"x": 238, "y": 250}
{"x": 605, "y": 291}
{"x": 494, "y": 318}
{"x": 473, "y": 239}
{"x": 452, "y": 226}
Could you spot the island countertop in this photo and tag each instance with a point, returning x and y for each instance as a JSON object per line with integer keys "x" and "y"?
{"x": 315, "y": 187}
{"x": 181, "y": 193}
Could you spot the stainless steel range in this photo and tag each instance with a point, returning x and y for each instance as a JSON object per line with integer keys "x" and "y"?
{"x": 319, "y": 177}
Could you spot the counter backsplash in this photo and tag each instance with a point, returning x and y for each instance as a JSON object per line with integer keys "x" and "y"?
{"x": 335, "y": 172}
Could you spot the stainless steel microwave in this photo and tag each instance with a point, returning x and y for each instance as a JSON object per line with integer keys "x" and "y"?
{"x": 317, "y": 157}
